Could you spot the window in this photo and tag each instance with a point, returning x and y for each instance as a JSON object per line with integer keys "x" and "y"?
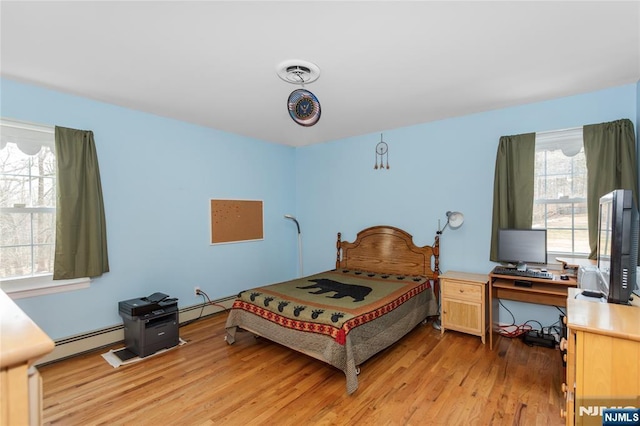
{"x": 560, "y": 192}
{"x": 28, "y": 209}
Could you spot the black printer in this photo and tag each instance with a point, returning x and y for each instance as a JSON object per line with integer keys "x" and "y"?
{"x": 150, "y": 306}
{"x": 150, "y": 323}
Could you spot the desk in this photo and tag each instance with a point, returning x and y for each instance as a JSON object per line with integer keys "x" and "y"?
{"x": 542, "y": 291}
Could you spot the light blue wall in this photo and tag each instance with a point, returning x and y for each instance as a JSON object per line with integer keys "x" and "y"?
{"x": 157, "y": 178}
{"x": 435, "y": 167}
{"x": 158, "y": 175}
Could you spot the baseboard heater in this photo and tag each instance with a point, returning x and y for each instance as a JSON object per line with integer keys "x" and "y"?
{"x": 92, "y": 340}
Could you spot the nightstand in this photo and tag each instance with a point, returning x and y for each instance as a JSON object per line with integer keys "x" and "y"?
{"x": 464, "y": 303}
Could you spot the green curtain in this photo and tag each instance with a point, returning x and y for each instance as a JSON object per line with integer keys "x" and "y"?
{"x": 610, "y": 151}
{"x": 513, "y": 186}
{"x": 81, "y": 237}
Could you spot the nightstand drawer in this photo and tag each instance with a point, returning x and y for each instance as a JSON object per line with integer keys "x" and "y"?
{"x": 462, "y": 290}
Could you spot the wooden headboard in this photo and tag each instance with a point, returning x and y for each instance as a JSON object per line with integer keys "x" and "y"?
{"x": 386, "y": 249}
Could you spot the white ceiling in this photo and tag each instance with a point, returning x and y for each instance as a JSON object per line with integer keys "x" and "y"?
{"x": 383, "y": 65}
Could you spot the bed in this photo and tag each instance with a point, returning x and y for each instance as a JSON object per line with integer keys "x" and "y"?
{"x": 382, "y": 287}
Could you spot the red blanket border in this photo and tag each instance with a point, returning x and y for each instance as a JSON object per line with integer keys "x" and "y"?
{"x": 339, "y": 334}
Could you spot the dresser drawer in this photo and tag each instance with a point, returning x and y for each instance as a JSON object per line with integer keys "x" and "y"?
{"x": 462, "y": 290}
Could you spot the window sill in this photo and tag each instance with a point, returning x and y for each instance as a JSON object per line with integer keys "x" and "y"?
{"x": 20, "y": 288}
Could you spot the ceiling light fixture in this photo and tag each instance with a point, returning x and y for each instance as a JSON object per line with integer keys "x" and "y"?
{"x": 297, "y": 71}
{"x": 303, "y": 106}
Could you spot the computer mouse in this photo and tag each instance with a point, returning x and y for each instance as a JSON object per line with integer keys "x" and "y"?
{"x": 564, "y": 277}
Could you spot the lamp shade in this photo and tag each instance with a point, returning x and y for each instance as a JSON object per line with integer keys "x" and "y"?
{"x": 455, "y": 219}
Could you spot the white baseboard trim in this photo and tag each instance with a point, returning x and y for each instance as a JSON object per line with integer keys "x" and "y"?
{"x": 85, "y": 342}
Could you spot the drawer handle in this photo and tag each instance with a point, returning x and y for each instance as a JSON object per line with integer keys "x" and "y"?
{"x": 462, "y": 290}
{"x": 563, "y": 344}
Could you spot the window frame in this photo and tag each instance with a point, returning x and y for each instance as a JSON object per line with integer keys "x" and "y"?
{"x": 39, "y": 284}
{"x": 571, "y": 140}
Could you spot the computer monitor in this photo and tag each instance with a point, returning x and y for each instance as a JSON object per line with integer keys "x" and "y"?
{"x": 618, "y": 244}
{"x": 522, "y": 246}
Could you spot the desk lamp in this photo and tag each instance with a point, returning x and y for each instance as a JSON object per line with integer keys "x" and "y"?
{"x": 290, "y": 217}
{"x": 454, "y": 221}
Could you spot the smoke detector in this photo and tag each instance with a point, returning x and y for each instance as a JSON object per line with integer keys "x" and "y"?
{"x": 297, "y": 71}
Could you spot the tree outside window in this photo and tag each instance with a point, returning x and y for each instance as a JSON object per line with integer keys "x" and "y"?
{"x": 27, "y": 209}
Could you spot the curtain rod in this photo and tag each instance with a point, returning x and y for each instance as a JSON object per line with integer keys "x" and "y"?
{"x": 552, "y": 132}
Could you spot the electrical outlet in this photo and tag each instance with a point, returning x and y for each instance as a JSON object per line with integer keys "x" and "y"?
{"x": 196, "y": 291}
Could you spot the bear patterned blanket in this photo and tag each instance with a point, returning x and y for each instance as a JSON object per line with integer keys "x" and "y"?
{"x": 341, "y": 317}
{"x": 331, "y": 303}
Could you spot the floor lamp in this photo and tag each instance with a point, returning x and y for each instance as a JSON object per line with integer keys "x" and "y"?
{"x": 290, "y": 217}
{"x": 454, "y": 221}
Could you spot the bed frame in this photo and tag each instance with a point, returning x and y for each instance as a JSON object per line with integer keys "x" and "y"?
{"x": 388, "y": 249}
{"x": 379, "y": 249}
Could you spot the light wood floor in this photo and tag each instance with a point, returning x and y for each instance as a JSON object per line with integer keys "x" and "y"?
{"x": 425, "y": 379}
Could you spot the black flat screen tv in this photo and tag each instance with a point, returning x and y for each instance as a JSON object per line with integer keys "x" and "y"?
{"x": 522, "y": 246}
{"x": 618, "y": 244}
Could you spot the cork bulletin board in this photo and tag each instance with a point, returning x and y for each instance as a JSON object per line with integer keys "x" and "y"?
{"x": 234, "y": 221}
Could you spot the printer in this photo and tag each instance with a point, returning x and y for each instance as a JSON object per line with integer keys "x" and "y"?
{"x": 150, "y": 323}
{"x": 148, "y": 307}
{"x": 590, "y": 278}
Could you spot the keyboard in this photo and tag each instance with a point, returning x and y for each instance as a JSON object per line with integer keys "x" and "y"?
{"x": 502, "y": 270}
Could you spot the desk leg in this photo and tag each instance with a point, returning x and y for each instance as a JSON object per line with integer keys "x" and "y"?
{"x": 494, "y": 311}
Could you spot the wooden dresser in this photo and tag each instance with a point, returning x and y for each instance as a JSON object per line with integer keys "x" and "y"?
{"x": 603, "y": 358}
{"x": 22, "y": 342}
